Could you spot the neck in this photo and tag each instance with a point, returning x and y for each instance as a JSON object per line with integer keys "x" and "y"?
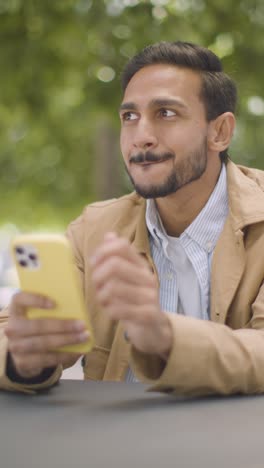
{"x": 177, "y": 211}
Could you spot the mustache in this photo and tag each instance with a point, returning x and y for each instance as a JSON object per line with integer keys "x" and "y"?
{"x": 150, "y": 157}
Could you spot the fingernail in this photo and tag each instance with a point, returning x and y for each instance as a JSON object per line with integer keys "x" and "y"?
{"x": 84, "y": 336}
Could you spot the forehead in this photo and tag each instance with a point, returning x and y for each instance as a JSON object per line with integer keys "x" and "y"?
{"x": 164, "y": 80}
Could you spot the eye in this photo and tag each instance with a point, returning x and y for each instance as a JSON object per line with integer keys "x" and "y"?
{"x": 128, "y": 116}
{"x": 167, "y": 113}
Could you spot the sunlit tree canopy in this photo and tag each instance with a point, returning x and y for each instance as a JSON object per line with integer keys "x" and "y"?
{"x": 60, "y": 65}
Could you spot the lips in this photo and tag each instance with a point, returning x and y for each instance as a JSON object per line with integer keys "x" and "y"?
{"x": 148, "y": 163}
{"x": 148, "y": 158}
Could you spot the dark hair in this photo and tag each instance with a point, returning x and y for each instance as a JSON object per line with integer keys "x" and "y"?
{"x": 218, "y": 91}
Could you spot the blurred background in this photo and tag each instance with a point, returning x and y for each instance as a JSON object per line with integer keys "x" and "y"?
{"x": 60, "y": 65}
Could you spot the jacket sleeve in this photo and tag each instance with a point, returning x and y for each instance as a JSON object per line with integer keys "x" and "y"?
{"x": 208, "y": 358}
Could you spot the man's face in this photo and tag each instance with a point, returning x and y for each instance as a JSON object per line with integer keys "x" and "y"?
{"x": 163, "y": 130}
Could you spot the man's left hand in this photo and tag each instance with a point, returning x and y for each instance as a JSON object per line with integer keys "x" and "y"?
{"x": 126, "y": 290}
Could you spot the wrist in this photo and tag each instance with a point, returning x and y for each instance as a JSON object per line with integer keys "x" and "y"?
{"x": 14, "y": 376}
{"x": 167, "y": 340}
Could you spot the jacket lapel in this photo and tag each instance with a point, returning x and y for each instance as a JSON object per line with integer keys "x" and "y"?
{"x": 246, "y": 206}
{"x": 118, "y": 361}
{"x": 227, "y": 268}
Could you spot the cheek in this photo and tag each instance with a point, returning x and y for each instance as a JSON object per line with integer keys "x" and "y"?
{"x": 174, "y": 140}
{"x": 124, "y": 143}
{"x": 183, "y": 139}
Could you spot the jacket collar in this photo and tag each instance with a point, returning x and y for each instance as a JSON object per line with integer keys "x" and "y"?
{"x": 246, "y": 203}
{"x": 246, "y": 195}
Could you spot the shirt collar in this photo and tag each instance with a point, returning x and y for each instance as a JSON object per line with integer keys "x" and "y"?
{"x": 205, "y": 228}
{"x": 154, "y": 223}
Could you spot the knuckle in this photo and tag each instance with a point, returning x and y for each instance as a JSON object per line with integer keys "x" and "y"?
{"x": 104, "y": 294}
{"x": 9, "y": 330}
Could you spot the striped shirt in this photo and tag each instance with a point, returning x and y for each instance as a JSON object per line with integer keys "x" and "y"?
{"x": 184, "y": 263}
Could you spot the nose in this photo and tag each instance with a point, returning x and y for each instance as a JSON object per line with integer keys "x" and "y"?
{"x": 144, "y": 136}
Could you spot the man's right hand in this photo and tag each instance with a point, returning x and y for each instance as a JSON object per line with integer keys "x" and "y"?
{"x": 31, "y": 343}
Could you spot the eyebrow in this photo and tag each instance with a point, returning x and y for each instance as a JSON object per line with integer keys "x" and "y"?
{"x": 154, "y": 103}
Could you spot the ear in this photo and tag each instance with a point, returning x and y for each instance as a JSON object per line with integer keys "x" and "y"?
{"x": 221, "y": 131}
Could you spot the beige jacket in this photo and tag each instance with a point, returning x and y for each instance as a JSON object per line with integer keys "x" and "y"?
{"x": 224, "y": 355}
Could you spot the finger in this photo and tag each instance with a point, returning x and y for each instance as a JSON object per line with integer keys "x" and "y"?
{"x": 143, "y": 315}
{"x": 20, "y": 326}
{"x": 113, "y": 293}
{"x": 110, "y": 236}
{"x": 119, "y": 268}
{"x": 23, "y": 300}
{"x": 119, "y": 247}
{"x": 33, "y": 364}
{"x": 44, "y": 344}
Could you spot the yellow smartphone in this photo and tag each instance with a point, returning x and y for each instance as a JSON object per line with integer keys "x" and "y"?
{"x": 45, "y": 265}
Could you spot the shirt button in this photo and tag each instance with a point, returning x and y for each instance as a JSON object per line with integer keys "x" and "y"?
{"x": 209, "y": 245}
{"x": 169, "y": 276}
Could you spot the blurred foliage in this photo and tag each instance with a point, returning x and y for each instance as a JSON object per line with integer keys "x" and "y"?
{"x": 60, "y": 63}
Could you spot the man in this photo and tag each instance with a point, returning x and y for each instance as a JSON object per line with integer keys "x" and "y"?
{"x": 173, "y": 273}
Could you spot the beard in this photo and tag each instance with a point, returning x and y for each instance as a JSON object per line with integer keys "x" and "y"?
{"x": 191, "y": 168}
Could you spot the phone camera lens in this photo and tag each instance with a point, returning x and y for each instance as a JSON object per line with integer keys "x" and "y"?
{"x": 23, "y": 263}
{"x": 32, "y": 257}
{"x": 19, "y": 250}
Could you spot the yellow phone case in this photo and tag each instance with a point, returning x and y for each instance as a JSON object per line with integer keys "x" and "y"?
{"x": 45, "y": 265}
